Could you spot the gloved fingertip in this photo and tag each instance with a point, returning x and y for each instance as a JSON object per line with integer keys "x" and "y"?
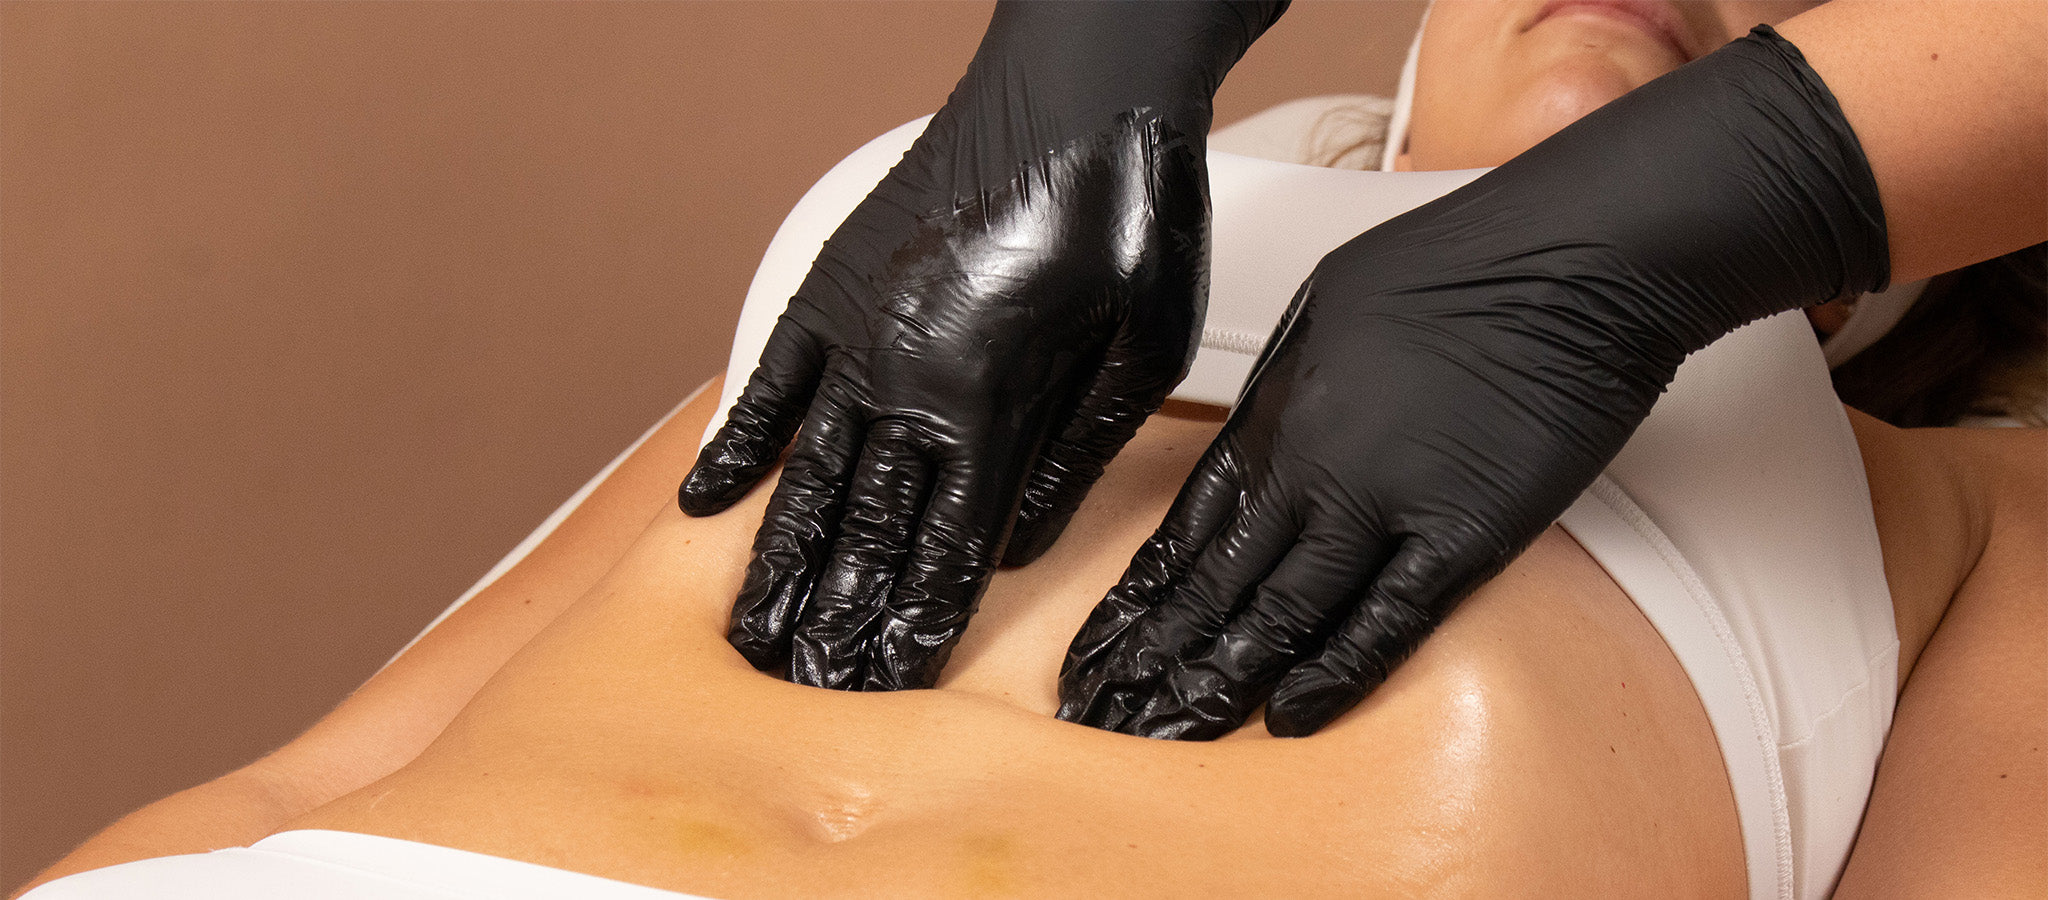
{"x": 914, "y": 656}
{"x": 1106, "y": 708}
{"x": 764, "y": 613}
{"x": 1088, "y": 696}
{"x": 1173, "y": 722}
{"x": 761, "y": 652}
{"x": 733, "y": 461}
{"x": 1029, "y": 540}
{"x": 1197, "y": 702}
{"x": 726, "y": 470}
{"x": 895, "y": 673}
{"x": 812, "y": 664}
{"x": 1044, "y": 515}
{"x": 1072, "y": 707}
{"x": 1302, "y": 706}
{"x": 709, "y": 490}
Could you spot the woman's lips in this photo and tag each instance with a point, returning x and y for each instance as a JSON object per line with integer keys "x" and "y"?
{"x": 1657, "y": 19}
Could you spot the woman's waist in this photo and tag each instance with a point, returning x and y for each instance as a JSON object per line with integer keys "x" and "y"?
{"x": 630, "y": 741}
{"x": 779, "y": 787}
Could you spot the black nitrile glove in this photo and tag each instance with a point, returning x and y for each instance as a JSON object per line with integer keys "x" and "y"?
{"x": 1446, "y": 384}
{"x": 986, "y": 329}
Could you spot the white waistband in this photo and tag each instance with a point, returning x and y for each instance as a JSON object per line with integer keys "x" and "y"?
{"x": 340, "y": 865}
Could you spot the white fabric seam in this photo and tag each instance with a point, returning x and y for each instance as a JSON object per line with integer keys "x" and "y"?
{"x": 1617, "y": 501}
{"x": 1814, "y": 724}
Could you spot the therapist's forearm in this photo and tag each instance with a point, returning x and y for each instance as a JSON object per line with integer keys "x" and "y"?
{"x": 1950, "y": 103}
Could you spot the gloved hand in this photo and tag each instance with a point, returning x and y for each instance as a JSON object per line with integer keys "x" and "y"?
{"x": 1446, "y": 384}
{"x": 986, "y": 329}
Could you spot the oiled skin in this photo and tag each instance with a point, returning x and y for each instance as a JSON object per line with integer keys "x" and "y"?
{"x": 1544, "y": 739}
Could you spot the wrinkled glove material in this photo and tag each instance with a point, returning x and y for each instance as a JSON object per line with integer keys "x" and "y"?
{"x": 977, "y": 339}
{"x": 1446, "y": 384}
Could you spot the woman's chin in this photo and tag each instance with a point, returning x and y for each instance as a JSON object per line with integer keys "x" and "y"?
{"x": 1565, "y": 93}
{"x": 1561, "y": 94}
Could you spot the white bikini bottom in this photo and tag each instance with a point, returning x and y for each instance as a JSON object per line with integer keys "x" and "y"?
{"x": 1738, "y": 519}
{"x": 340, "y": 865}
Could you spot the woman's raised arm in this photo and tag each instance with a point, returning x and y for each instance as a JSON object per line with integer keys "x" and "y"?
{"x": 1951, "y": 105}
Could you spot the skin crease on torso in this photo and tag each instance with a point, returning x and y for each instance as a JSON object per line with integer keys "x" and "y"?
{"x": 1544, "y": 737}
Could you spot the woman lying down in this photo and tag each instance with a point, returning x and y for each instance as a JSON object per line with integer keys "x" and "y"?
{"x": 1546, "y": 742}
{"x": 1778, "y": 643}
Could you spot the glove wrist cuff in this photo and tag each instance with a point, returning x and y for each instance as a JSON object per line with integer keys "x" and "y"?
{"x": 1052, "y": 72}
{"x": 1798, "y": 217}
{"x": 1863, "y": 235}
{"x": 1725, "y": 191}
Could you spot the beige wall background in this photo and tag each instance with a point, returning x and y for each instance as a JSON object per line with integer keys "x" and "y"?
{"x": 308, "y": 312}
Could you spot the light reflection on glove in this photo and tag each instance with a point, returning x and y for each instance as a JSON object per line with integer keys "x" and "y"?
{"x": 983, "y": 333}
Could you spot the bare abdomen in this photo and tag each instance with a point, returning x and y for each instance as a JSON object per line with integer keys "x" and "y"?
{"x": 1544, "y": 742}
